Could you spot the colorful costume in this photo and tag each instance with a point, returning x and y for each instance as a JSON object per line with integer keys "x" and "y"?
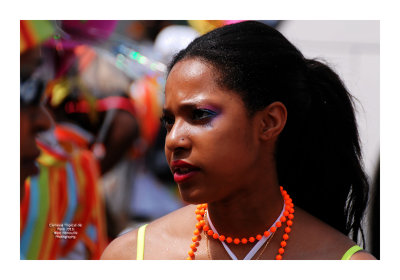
{"x": 62, "y": 213}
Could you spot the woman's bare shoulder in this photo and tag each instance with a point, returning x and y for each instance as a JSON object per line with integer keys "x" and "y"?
{"x": 124, "y": 247}
{"x": 362, "y": 255}
{"x": 315, "y": 239}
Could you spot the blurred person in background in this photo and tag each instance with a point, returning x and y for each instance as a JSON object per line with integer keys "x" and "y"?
{"x": 62, "y": 213}
{"x": 91, "y": 103}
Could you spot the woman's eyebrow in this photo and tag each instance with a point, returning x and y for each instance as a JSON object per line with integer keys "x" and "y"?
{"x": 182, "y": 108}
{"x": 185, "y": 106}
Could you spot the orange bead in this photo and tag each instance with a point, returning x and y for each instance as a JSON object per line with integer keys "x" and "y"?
{"x": 283, "y": 219}
{"x": 210, "y": 232}
{"x": 291, "y": 211}
{"x": 198, "y": 237}
{"x": 244, "y": 240}
{"x": 194, "y": 239}
{"x": 252, "y": 239}
{"x": 189, "y": 258}
{"x": 283, "y": 244}
{"x": 229, "y": 239}
{"x": 202, "y": 223}
{"x": 287, "y": 229}
{"x": 281, "y": 251}
{"x": 285, "y": 237}
{"x": 273, "y": 229}
{"x": 199, "y": 226}
{"x": 291, "y": 216}
{"x": 199, "y": 206}
{"x": 204, "y": 206}
{"x": 197, "y": 212}
{"x": 286, "y": 213}
{"x": 291, "y": 205}
{"x": 284, "y": 193}
{"x": 193, "y": 246}
{"x": 199, "y": 217}
{"x": 278, "y": 224}
{"x": 215, "y": 236}
{"x": 236, "y": 241}
{"x": 289, "y": 223}
{"x": 194, "y": 249}
{"x": 281, "y": 188}
{"x": 221, "y": 238}
{"x": 258, "y": 237}
{"x": 206, "y": 228}
{"x": 278, "y": 257}
{"x": 202, "y": 212}
{"x": 286, "y": 197}
{"x": 191, "y": 253}
{"x": 196, "y": 232}
{"x": 266, "y": 234}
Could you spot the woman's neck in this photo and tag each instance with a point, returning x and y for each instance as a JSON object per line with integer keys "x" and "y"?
{"x": 248, "y": 212}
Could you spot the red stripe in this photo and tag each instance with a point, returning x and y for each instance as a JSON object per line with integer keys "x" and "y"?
{"x": 26, "y": 31}
{"x": 69, "y": 136}
{"x": 25, "y": 205}
{"x": 116, "y": 102}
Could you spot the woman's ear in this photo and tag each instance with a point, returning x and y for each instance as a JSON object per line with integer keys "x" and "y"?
{"x": 273, "y": 120}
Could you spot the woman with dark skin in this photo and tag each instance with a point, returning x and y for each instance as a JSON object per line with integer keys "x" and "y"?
{"x": 246, "y": 113}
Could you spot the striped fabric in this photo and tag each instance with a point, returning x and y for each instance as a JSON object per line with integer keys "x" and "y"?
{"x": 64, "y": 195}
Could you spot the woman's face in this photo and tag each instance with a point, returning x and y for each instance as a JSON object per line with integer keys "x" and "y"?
{"x": 211, "y": 144}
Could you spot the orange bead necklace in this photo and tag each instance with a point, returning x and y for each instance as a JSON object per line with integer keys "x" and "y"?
{"x": 288, "y": 216}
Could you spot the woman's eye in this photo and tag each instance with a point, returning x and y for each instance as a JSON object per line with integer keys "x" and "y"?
{"x": 202, "y": 114}
{"x": 167, "y": 121}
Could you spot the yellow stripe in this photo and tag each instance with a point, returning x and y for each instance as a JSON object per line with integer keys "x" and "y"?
{"x": 351, "y": 252}
{"x": 140, "y": 243}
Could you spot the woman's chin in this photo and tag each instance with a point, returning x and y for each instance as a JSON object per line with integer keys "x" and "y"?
{"x": 192, "y": 196}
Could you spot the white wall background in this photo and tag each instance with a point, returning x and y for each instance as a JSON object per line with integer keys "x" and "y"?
{"x": 352, "y": 49}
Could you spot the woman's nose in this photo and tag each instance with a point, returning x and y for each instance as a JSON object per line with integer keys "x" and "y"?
{"x": 178, "y": 137}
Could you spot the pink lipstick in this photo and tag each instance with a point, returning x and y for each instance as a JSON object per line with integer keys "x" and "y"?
{"x": 183, "y": 171}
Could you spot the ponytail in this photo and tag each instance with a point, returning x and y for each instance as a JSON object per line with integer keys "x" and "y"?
{"x": 319, "y": 155}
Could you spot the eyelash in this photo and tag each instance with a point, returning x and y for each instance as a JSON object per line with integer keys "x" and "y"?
{"x": 201, "y": 116}
{"x": 164, "y": 121}
{"x": 205, "y": 114}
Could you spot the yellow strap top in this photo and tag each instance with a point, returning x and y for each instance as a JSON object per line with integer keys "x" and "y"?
{"x": 349, "y": 253}
{"x": 140, "y": 243}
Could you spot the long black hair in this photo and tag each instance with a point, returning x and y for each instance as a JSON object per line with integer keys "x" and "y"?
{"x": 318, "y": 154}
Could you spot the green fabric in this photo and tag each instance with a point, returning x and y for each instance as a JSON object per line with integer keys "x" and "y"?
{"x": 41, "y": 219}
{"x": 140, "y": 243}
{"x": 351, "y": 252}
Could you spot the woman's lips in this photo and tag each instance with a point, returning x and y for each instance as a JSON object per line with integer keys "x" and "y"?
{"x": 183, "y": 171}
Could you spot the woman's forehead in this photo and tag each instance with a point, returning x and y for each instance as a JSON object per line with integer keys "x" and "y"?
{"x": 191, "y": 70}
